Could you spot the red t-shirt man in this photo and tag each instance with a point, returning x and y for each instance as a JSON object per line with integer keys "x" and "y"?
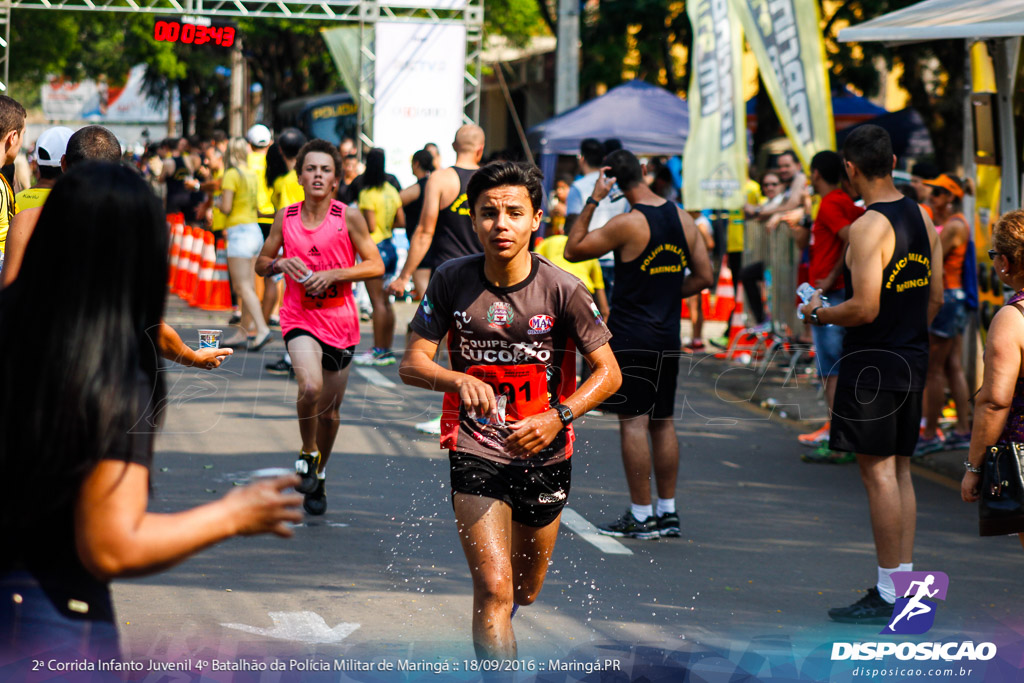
{"x": 836, "y": 212}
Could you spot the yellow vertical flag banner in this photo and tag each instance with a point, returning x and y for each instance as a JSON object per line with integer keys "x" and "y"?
{"x": 785, "y": 37}
{"x": 715, "y": 160}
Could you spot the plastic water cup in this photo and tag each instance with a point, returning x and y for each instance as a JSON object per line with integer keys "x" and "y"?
{"x": 209, "y": 339}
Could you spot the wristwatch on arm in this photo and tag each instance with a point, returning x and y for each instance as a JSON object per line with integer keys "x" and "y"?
{"x": 591, "y": 200}
{"x": 814, "y": 315}
{"x": 564, "y": 414}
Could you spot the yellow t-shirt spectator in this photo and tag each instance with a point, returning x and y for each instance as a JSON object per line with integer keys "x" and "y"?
{"x": 257, "y": 163}
{"x": 218, "y": 219}
{"x": 589, "y": 272}
{"x": 7, "y": 209}
{"x": 32, "y": 198}
{"x": 243, "y": 204}
{"x": 384, "y": 202}
{"x": 287, "y": 191}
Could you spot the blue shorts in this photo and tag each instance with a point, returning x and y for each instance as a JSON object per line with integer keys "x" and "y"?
{"x": 389, "y": 255}
{"x": 951, "y": 319}
{"x": 828, "y": 340}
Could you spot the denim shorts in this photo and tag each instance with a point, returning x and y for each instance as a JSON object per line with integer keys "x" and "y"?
{"x": 828, "y": 340}
{"x": 389, "y": 255}
{"x": 951, "y": 319}
{"x": 244, "y": 240}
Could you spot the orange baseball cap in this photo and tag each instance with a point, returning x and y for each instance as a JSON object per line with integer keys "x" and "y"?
{"x": 947, "y": 184}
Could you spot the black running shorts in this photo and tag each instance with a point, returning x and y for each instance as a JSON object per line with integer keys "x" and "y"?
{"x": 648, "y": 384}
{"x": 875, "y": 421}
{"x": 535, "y": 494}
{"x": 334, "y": 359}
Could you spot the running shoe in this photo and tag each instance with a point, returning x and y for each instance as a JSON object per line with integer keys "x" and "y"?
{"x": 306, "y": 467}
{"x": 694, "y": 346}
{"x": 668, "y": 524}
{"x": 376, "y": 356}
{"x": 315, "y": 502}
{"x": 871, "y": 609}
{"x": 432, "y": 427}
{"x": 817, "y": 436}
{"x": 823, "y": 455}
{"x": 926, "y": 446}
{"x": 281, "y": 367}
{"x": 721, "y": 342}
{"x": 628, "y": 525}
{"x": 957, "y": 440}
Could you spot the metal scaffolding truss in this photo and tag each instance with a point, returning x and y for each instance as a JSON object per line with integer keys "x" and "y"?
{"x": 366, "y": 13}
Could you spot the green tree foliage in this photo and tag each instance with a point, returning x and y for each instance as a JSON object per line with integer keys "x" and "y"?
{"x": 517, "y": 20}
{"x": 635, "y": 36}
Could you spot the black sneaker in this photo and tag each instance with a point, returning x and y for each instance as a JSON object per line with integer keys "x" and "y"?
{"x": 281, "y": 367}
{"x": 628, "y": 525}
{"x": 306, "y": 467}
{"x": 871, "y": 609}
{"x": 668, "y": 525}
{"x": 315, "y": 503}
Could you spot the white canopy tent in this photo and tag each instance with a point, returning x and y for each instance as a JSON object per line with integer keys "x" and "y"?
{"x": 999, "y": 21}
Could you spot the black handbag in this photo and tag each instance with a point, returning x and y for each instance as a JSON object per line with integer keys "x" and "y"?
{"x": 1001, "y": 508}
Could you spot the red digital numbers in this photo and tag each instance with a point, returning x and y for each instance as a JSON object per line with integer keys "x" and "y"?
{"x": 191, "y": 34}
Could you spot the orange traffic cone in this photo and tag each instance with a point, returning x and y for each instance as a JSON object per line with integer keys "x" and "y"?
{"x": 204, "y": 285}
{"x": 177, "y": 228}
{"x": 194, "y": 259}
{"x": 181, "y": 267}
{"x": 218, "y": 297}
{"x": 725, "y": 300}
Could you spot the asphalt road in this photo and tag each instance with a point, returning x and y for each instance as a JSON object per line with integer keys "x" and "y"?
{"x": 768, "y": 545}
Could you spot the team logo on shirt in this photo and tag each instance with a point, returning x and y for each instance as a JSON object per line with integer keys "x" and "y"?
{"x": 598, "y": 320}
{"x": 462, "y": 319}
{"x": 500, "y": 314}
{"x": 426, "y": 309}
{"x": 314, "y": 251}
{"x": 540, "y": 324}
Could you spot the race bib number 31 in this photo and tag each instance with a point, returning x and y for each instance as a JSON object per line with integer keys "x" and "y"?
{"x": 524, "y": 386}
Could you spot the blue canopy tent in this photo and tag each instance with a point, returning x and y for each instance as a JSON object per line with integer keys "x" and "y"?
{"x": 646, "y": 118}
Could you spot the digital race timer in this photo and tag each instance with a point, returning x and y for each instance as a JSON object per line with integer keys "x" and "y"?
{"x": 194, "y": 31}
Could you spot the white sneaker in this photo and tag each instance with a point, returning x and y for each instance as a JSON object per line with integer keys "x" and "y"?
{"x": 430, "y": 426}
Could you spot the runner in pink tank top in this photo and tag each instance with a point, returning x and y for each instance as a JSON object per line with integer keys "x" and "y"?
{"x": 321, "y": 238}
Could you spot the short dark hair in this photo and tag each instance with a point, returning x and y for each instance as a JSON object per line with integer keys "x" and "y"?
{"x": 290, "y": 141}
{"x": 425, "y": 159}
{"x": 92, "y": 143}
{"x": 829, "y": 166}
{"x": 625, "y": 168}
{"x": 219, "y": 136}
{"x": 49, "y": 172}
{"x": 12, "y": 115}
{"x": 322, "y": 146}
{"x": 592, "y": 152}
{"x": 789, "y": 153}
{"x": 869, "y": 148}
{"x": 612, "y": 145}
{"x": 506, "y": 173}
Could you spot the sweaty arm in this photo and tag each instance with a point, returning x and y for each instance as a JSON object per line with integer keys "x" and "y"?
{"x": 869, "y": 235}
{"x": 935, "y": 293}
{"x": 265, "y": 262}
{"x": 173, "y": 349}
{"x": 115, "y": 535}
{"x": 582, "y": 243}
{"x": 18, "y": 235}
{"x": 700, "y": 277}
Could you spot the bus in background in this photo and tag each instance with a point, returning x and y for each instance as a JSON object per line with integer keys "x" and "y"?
{"x": 331, "y": 117}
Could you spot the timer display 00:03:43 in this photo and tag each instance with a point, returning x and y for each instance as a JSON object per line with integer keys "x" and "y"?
{"x": 178, "y": 32}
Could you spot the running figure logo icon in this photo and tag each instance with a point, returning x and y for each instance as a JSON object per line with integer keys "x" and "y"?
{"x": 914, "y": 613}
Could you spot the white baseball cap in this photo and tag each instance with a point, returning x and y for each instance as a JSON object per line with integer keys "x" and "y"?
{"x": 258, "y": 135}
{"x": 52, "y": 144}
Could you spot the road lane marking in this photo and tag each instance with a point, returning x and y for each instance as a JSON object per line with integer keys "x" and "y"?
{"x": 588, "y": 532}
{"x": 375, "y": 378}
{"x": 303, "y": 627}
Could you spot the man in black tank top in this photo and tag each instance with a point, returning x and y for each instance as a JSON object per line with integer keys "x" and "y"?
{"x": 894, "y": 283}
{"x": 660, "y": 258}
{"x": 445, "y": 228}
